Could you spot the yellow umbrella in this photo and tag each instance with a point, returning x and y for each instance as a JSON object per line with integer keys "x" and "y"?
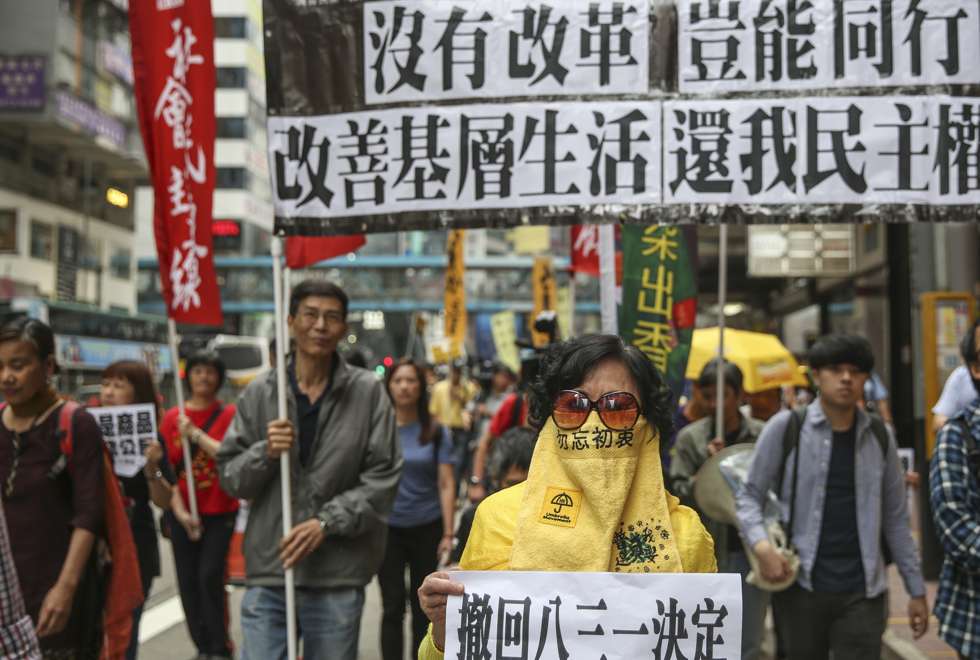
{"x": 764, "y": 361}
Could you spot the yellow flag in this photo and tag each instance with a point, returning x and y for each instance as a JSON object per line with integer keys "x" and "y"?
{"x": 545, "y": 295}
{"x": 504, "y": 339}
{"x": 455, "y": 294}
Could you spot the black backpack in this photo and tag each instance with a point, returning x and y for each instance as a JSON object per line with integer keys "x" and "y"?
{"x": 791, "y": 440}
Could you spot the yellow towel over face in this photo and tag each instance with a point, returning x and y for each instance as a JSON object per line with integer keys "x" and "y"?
{"x": 595, "y": 501}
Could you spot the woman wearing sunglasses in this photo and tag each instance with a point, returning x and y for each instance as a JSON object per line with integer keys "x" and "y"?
{"x": 595, "y": 481}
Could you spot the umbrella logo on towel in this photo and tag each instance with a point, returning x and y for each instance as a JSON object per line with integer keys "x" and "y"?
{"x": 562, "y": 500}
{"x": 560, "y": 507}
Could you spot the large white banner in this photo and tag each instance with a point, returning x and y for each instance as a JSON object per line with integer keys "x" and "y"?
{"x": 127, "y": 432}
{"x": 446, "y": 49}
{"x": 617, "y": 616}
{"x": 466, "y": 157}
{"x": 905, "y": 149}
{"x": 743, "y": 45}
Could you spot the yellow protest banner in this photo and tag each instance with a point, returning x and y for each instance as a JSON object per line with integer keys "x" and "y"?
{"x": 505, "y": 338}
{"x": 565, "y": 312}
{"x": 454, "y": 299}
{"x": 545, "y": 295}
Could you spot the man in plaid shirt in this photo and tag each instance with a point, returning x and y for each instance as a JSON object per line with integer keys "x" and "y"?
{"x": 954, "y": 483}
{"x": 17, "y": 639}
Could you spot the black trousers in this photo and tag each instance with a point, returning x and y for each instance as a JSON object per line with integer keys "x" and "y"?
{"x": 814, "y": 624}
{"x": 201, "y": 580}
{"x": 416, "y": 548}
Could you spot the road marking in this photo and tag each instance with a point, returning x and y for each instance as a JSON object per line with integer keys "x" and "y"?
{"x": 161, "y": 618}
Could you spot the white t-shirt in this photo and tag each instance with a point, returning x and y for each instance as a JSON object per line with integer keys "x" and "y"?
{"x": 957, "y": 394}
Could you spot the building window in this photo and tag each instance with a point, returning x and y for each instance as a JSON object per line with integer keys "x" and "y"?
{"x": 232, "y": 127}
{"x": 120, "y": 265}
{"x": 230, "y": 27}
{"x": 8, "y": 231}
{"x": 235, "y": 77}
{"x": 42, "y": 240}
{"x": 231, "y": 177}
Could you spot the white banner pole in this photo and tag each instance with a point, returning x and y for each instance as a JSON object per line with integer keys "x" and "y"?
{"x": 607, "y": 279}
{"x": 285, "y": 475}
{"x": 179, "y": 388}
{"x": 722, "y": 297}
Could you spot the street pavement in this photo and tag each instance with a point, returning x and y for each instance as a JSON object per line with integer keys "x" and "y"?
{"x": 164, "y": 636}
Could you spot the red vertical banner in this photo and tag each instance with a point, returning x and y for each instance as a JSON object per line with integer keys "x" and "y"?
{"x": 174, "y": 82}
{"x": 585, "y": 249}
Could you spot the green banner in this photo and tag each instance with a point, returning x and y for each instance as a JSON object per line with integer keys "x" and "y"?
{"x": 660, "y": 296}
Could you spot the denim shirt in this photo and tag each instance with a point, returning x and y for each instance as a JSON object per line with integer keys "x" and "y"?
{"x": 880, "y": 487}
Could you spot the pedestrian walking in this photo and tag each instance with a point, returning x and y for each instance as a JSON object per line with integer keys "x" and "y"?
{"x": 957, "y": 394}
{"x": 345, "y": 459}
{"x": 594, "y": 386}
{"x": 201, "y": 546}
{"x": 18, "y": 640}
{"x": 54, "y": 511}
{"x": 420, "y": 528}
{"x": 841, "y": 484}
{"x": 695, "y": 444}
{"x": 448, "y": 404}
{"x": 124, "y": 383}
{"x": 954, "y": 492}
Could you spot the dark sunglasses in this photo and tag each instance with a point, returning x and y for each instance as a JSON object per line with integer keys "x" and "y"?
{"x": 617, "y": 410}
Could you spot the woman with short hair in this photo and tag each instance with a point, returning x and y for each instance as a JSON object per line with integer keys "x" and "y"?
{"x": 201, "y": 546}
{"x": 600, "y": 408}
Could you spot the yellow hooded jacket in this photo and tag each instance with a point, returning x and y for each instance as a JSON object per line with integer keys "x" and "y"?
{"x": 491, "y": 540}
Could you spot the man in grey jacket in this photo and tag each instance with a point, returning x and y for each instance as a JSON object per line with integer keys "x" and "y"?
{"x": 342, "y": 442}
{"x": 695, "y": 444}
{"x": 849, "y": 499}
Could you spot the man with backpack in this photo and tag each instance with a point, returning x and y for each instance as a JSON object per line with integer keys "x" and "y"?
{"x": 954, "y": 492}
{"x": 836, "y": 472}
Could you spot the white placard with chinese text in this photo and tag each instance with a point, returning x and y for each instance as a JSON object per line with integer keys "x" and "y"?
{"x": 740, "y": 45}
{"x": 617, "y": 616}
{"x": 445, "y": 49}
{"x": 465, "y": 157}
{"x": 127, "y": 432}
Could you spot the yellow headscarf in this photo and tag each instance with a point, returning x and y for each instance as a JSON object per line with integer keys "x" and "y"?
{"x": 595, "y": 501}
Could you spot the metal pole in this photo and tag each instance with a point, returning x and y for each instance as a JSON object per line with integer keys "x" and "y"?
{"x": 722, "y": 296}
{"x": 285, "y": 476}
{"x": 179, "y": 388}
{"x": 287, "y": 290}
{"x": 607, "y": 279}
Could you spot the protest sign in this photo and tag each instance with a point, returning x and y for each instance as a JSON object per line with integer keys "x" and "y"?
{"x": 616, "y": 616}
{"x": 127, "y": 431}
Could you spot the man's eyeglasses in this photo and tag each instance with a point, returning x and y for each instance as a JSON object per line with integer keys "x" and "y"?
{"x": 617, "y": 410}
{"x": 310, "y": 316}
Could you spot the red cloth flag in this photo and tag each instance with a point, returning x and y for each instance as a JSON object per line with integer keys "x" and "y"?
{"x": 174, "y": 81}
{"x": 585, "y": 249}
{"x": 302, "y": 251}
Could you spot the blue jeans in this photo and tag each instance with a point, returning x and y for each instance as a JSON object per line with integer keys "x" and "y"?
{"x": 328, "y": 622}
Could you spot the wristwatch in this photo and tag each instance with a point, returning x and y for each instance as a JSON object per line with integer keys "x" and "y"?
{"x": 475, "y": 480}
{"x": 157, "y": 475}
{"x": 323, "y": 523}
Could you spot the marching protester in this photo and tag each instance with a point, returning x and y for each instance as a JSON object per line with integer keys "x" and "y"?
{"x": 593, "y": 384}
{"x": 954, "y": 493}
{"x": 695, "y": 444}
{"x": 420, "y": 527}
{"x": 342, "y": 442}
{"x": 201, "y": 546}
{"x": 838, "y": 477}
{"x": 54, "y": 505}
{"x": 18, "y": 641}
{"x": 448, "y": 403}
{"x": 509, "y": 462}
{"x": 124, "y": 383}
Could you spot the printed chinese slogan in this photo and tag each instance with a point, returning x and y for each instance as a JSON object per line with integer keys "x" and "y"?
{"x": 128, "y": 431}
{"x": 549, "y": 616}
{"x": 660, "y": 296}
{"x": 497, "y": 112}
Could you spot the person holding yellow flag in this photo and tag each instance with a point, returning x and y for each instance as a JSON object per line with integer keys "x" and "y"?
{"x": 448, "y": 404}
{"x": 595, "y": 481}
